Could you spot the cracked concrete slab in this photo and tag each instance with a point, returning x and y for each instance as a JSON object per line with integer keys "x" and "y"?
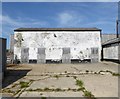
{"x": 61, "y": 82}
{"x": 43, "y": 75}
{"x": 51, "y": 94}
{"x": 101, "y": 85}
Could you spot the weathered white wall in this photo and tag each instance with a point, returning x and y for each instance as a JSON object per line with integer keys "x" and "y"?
{"x": 80, "y": 43}
{"x": 111, "y": 52}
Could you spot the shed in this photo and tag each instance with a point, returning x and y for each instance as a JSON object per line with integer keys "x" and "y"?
{"x": 42, "y": 45}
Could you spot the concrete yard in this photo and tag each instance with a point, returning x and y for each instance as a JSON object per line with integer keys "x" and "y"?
{"x": 59, "y": 80}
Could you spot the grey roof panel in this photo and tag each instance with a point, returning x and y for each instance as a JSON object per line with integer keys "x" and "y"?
{"x": 57, "y": 29}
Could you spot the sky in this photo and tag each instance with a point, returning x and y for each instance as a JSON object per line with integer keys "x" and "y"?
{"x": 102, "y": 15}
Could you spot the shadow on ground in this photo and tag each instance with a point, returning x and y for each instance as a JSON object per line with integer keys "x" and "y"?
{"x": 12, "y": 76}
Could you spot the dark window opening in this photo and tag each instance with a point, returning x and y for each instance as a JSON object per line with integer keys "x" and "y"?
{"x": 32, "y": 61}
{"x": 53, "y": 62}
{"x": 80, "y": 61}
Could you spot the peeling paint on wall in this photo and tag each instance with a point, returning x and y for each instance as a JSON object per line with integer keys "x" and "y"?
{"x": 18, "y": 40}
{"x": 79, "y": 42}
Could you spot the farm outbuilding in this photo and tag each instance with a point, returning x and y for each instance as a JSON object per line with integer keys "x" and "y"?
{"x": 66, "y": 45}
{"x": 111, "y": 50}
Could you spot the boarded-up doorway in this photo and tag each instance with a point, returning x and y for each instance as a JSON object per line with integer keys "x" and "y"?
{"x": 41, "y": 55}
{"x": 94, "y": 54}
{"x": 25, "y": 55}
{"x": 66, "y": 55}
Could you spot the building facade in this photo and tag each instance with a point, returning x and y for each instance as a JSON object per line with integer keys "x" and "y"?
{"x": 40, "y": 45}
{"x": 111, "y": 50}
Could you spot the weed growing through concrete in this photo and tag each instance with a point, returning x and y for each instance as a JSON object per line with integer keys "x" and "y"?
{"x": 56, "y": 76}
{"x": 79, "y": 83}
{"x": 58, "y": 89}
{"x": 24, "y": 84}
{"x": 43, "y": 98}
{"x": 75, "y": 77}
{"x": 115, "y": 74}
{"x": 46, "y": 89}
{"x": 87, "y": 94}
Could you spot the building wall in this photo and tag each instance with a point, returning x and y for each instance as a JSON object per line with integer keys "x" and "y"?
{"x": 2, "y": 57}
{"x": 111, "y": 52}
{"x": 79, "y": 42}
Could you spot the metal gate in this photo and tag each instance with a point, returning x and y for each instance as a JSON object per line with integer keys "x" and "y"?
{"x": 41, "y": 55}
{"x": 25, "y": 55}
{"x": 94, "y": 54}
{"x": 66, "y": 55}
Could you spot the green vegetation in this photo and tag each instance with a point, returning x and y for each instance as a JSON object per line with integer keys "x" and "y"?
{"x": 43, "y": 98}
{"x": 88, "y": 94}
{"x": 115, "y": 74}
{"x": 46, "y": 89}
{"x": 79, "y": 83}
{"x": 56, "y": 76}
{"x": 74, "y": 77}
{"x": 58, "y": 89}
{"x": 24, "y": 84}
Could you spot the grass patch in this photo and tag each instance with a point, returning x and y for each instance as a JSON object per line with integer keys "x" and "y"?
{"x": 88, "y": 94}
{"x": 74, "y": 77}
{"x": 58, "y": 89}
{"x": 67, "y": 76}
{"x": 79, "y": 83}
{"x": 56, "y": 76}
{"x": 46, "y": 89}
{"x": 115, "y": 74}
{"x": 43, "y": 98}
{"x": 81, "y": 89}
{"x": 24, "y": 84}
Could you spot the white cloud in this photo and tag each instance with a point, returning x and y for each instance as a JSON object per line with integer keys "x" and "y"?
{"x": 67, "y": 19}
{"x": 9, "y": 24}
{"x": 10, "y": 21}
{"x": 20, "y": 22}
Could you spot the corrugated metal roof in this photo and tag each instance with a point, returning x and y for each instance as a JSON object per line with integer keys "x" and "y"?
{"x": 57, "y": 29}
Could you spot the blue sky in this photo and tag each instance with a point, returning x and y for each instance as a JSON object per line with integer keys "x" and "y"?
{"x": 102, "y": 15}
